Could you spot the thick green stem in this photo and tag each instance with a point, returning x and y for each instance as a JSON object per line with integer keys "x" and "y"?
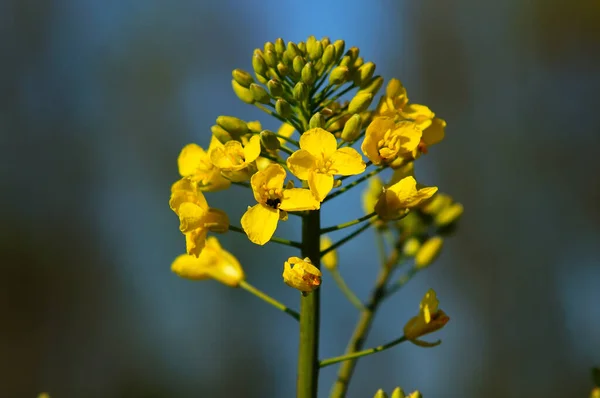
{"x": 308, "y": 352}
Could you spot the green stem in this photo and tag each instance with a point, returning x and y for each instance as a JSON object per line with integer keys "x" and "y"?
{"x": 348, "y": 224}
{"x": 288, "y": 139}
{"x": 354, "y": 183}
{"x": 275, "y": 239}
{"x": 362, "y": 328}
{"x": 308, "y": 351}
{"x": 345, "y": 239}
{"x": 286, "y": 150}
{"x": 251, "y": 289}
{"x": 352, "y": 298}
{"x": 369, "y": 351}
{"x": 276, "y": 116}
{"x": 274, "y": 159}
{"x": 344, "y": 91}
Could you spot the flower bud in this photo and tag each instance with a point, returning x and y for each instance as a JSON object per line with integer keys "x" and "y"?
{"x": 325, "y": 41}
{"x": 301, "y": 274}
{"x": 283, "y": 108}
{"x": 329, "y": 260}
{"x": 353, "y": 53}
{"x": 269, "y": 47}
{"x": 300, "y": 91}
{"x": 317, "y": 120}
{"x": 275, "y": 88}
{"x": 310, "y": 44}
{"x": 436, "y": 204}
{"x": 449, "y": 215}
{"x": 242, "y": 92}
{"x": 430, "y": 319}
{"x": 351, "y": 128}
{"x": 302, "y": 47}
{"x": 373, "y": 85}
{"x": 327, "y": 111}
{"x": 328, "y": 55}
{"x": 595, "y": 392}
{"x": 234, "y": 126}
{"x": 298, "y": 64}
{"x": 220, "y": 134}
{"x": 282, "y": 69}
{"x": 308, "y": 74}
{"x": 292, "y": 50}
{"x": 279, "y": 46}
{"x": 398, "y": 393}
{"x": 346, "y": 61}
{"x": 339, "y": 75}
{"x": 415, "y": 394}
{"x": 393, "y": 89}
{"x": 269, "y": 140}
{"x": 411, "y": 247}
{"x": 380, "y": 394}
{"x": 258, "y": 63}
{"x": 254, "y": 127}
{"x": 339, "y": 48}
{"x": 243, "y": 78}
{"x": 360, "y": 102}
{"x": 271, "y": 58}
{"x": 428, "y": 252}
{"x": 317, "y": 52}
{"x": 260, "y": 94}
{"x": 358, "y": 63}
{"x": 363, "y": 75}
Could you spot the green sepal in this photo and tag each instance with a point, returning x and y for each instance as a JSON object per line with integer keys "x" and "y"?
{"x": 260, "y": 94}
{"x": 269, "y": 140}
{"x": 283, "y": 108}
{"x": 317, "y": 120}
{"x": 275, "y": 88}
{"x": 339, "y": 75}
{"x": 300, "y": 91}
{"x": 308, "y": 74}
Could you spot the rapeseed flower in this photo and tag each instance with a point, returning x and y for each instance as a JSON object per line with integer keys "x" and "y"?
{"x": 235, "y": 160}
{"x": 403, "y": 195}
{"x": 301, "y": 274}
{"x": 385, "y": 140}
{"x": 430, "y": 319}
{"x": 194, "y": 163}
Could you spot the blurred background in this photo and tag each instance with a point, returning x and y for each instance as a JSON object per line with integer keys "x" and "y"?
{"x": 98, "y": 98}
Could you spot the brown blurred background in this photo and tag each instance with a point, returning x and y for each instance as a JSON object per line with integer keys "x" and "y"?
{"x": 97, "y": 99}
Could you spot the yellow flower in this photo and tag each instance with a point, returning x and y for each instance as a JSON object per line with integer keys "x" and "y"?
{"x": 301, "y": 274}
{"x": 330, "y": 259}
{"x": 214, "y": 262}
{"x": 385, "y": 139}
{"x": 318, "y": 160}
{"x": 195, "y": 217}
{"x": 235, "y": 160}
{"x": 286, "y": 130}
{"x": 194, "y": 163}
{"x": 260, "y": 221}
{"x": 432, "y": 134}
{"x": 401, "y": 196}
{"x": 428, "y": 252}
{"x": 430, "y": 319}
{"x": 371, "y": 195}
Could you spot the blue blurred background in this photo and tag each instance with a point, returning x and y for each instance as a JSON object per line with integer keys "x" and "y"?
{"x": 97, "y": 99}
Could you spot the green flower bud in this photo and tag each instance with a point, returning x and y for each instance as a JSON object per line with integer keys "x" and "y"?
{"x": 317, "y": 52}
{"x": 269, "y": 47}
{"x": 308, "y": 74}
{"x": 269, "y": 140}
{"x": 275, "y": 88}
{"x": 310, "y": 44}
{"x": 292, "y": 49}
{"x": 317, "y": 120}
{"x": 234, "y": 126}
{"x": 258, "y": 63}
{"x": 360, "y": 102}
{"x": 327, "y": 111}
{"x": 220, "y": 134}
{"x": 243, "y": 78}
{"x": 260, "y": 94}
{"x": 328, "y": 55}
{"x": 302, "y": 47}
{"x": 393, "y": 88}
{"x": 298, "y": 64}
{"x": 279, "y": 46}
{"x": 411, "y": 247}
{"x": 353, "y": 53}
{"x": 346, "y": 61}
{"x": 339, "y": 48}
{"x": 363, "y": 75}
{"x": 398, "y": 393}
{"x": 283, "y": 70}
{"x": 351, "y": 129}
{"x": 325, "y": 41}
{"x": 449, "y": 215}
{"x": 242, "y": 92}
{"x": 358, "y": 63}
{"x": 428, "y": 252}
{"x": 380, "y": 394}
{"x": 436, "y": 204}
{"x": 339, "y": 75}
{"x": 373, "y": 85}
{"x": 415, "y": 394}
{"x": 300, "y": 91}
{"x": 283, "y": 108}
{"x": 271, "y": 58}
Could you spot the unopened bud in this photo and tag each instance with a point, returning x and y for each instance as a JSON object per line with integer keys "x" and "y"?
{"x": 292, "y": 49}
{"x": 393, "y": 89}
{"x": 269, "y": 140}
{"x": 317, "y": 52}
{"x": 279, "y": 46}
{"x": 260, "y": 94}
{"x": 243, "y": 78}
{"x": 298, "y": 64}
{"x": 327, "y": 111}
{"x": 351, "y": 129}
{"x": 339, "y": 48}
{"x": 415, "y": 394}
{"x": 301, "y": 274}
{"x": 282, "y": 69}
{"x": 346, "y": 61}
{"x": 357, "y": 63}
{"x": 234, "y": 126}
{"x": 364, "y": 74}
{"x": 328, "y": 55}
{"x": 270, "y": 58}
{"x": 360, "y": 102}
{"x": 269, "y": 47}
{"x": 411, "y": 247}
{"x": 353, "y": 53}
{"x": 373, "y": 85}
{"x": 436, "y": 204}
{"x": 220, "y": 134}
{"x": 242, "y": 92}
{"x": 300, "y": 91}
{"x": 258, "y": 63}
{"x": 308, "y": 74}
{"x": 339, "y": 75}
{"x": 310, "y": 44}
{"x": 380, "y": 394}
{"x": 275, "y": 88}
{"x": 317, "y": 121}
{"x": 329, "y": 260}
{"x": 428, "y": 252}
{"x": 254, "y": 127}
{"x": 398, "y": 393}
{"x": 325, "y": 41}
{"x": 449, "y": 215}
{"x": 283, "y": 108}
{"x": 302, "y": 47}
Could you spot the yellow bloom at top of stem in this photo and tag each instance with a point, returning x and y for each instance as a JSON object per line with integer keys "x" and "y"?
{"x": 385, "y": 140}
{"x": 194, "y": 163}
{"x": 236, "y": 160}
{"x": 195, "y": 217}
{"x": 430, "y": 319}
{"x": 319, "y": 159}
{"x": 329, "y": 260}
{"x": 301, "y": 274}
{"x": 401, "y": 196}
{"x": 260, "y": 221}
{"x": 214, "y": 262}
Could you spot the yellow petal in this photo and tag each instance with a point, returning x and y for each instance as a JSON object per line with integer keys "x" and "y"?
{"x": 195, "y": 241}
{"x": 260, "y": 222}
{"x": 320, "y": 184}
{"x": 216, "y": 220}
{"x": 417, "y": 112}
{"x": 286, "y": 130}
{"x": 189, "y": 158}
{"x": 434, "y": 133}
{"x": 375, "y": 132}
{"x": 320, "y": 143}
{"x": 191, "y": 216}
{"x": 272, "y": 177}
{"x": 330, "y": 259}
{"x": 347, "y": 161}
{"x": 301, "y": 163}
{"x": 298, "y": 199}
{"x": 410, "y": 135}
{"x": 189, "y": 267}
{"x": 301, "y": 274}
{"x": 252, "y": 149}
{"x": 186, "y": 190}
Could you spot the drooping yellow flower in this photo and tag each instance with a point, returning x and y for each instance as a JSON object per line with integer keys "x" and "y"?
{"x": 301, "y": 274}
{"x": 330, "y": 259}
{"x": 214, "y": 262}
{"x": 319, "y": 159}
{"x": 401, "y": 196}
{"x": 260, "y": 221}
{"x": 386, "y": 140}
{"x": 195, "y": 217}
{"x": 235, "y": 160}
{"x": 430, "y": 319}
{"x": 194, "y": 163}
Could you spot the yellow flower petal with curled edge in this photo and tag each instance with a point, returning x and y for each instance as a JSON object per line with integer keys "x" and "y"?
{"x": 260, "y": 222}
{"x": 191, "y": 216}
{"x": 434, "y": 133}
{"x": 320, "y": 184}
{"x": 373, "y": 135}
{"x": 319, "y": 142}
{"x": 430, "y": 319}
{"x": 195, "y": 241}
{"x": 421, "y": 114}
{"x": 402, "y": 196}
{"x": 269, "y": 179}
{"x": 347, "y": 162}
{"x": 301, "y": 274}
{"x": 301, "y": 163}
{"x": 330, "y": 259}
{"x": 190, "y": 158}
{"x": 213, "y": 262}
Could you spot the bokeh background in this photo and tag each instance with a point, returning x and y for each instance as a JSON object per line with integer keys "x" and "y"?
{"x": 98, "y": 97}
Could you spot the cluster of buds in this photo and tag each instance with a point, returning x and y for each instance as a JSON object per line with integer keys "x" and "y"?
{"x": 397, "y": 393}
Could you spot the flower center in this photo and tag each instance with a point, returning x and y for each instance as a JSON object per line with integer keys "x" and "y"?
{"x": 324, "y": 167}
{"x": 236, "y": 157}
{"x": 272, "y": 197}
{"x": 389, "y": 145}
